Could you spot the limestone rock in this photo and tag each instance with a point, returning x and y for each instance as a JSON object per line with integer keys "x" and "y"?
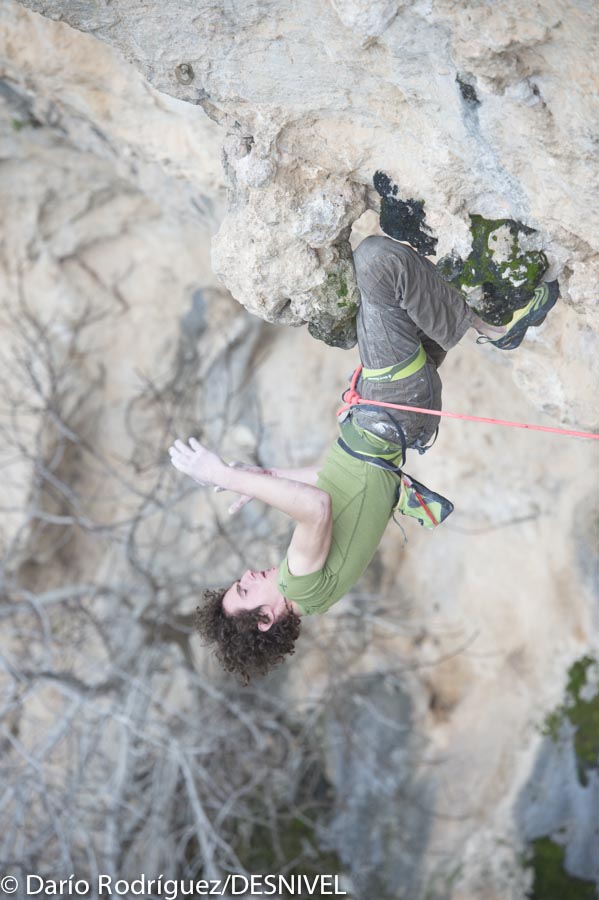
{"x": 481, "y": 110}
{"x": 279, "y": 249}
{"x": 84, "y": 90}
{"x": 368, "y": 18}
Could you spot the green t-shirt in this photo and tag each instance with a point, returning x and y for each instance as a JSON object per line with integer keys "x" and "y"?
{"x": 362, "y": 501}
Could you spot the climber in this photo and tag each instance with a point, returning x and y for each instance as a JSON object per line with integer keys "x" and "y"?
{"x": 407, "y": 321}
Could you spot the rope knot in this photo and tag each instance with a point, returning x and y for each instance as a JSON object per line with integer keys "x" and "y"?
{"x": 351, "y": 397}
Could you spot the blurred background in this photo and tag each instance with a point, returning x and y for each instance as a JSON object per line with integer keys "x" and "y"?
{"x": 436, "y": 735}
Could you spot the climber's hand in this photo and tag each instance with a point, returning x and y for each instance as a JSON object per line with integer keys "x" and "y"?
{"x": 196, "y": 461}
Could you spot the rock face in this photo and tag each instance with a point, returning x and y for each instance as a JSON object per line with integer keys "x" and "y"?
{"x": 281, "y": 134}
{"x": 471, "y": 109}
{"x": 86, "y": 93}
{"x": 373, "y": 754}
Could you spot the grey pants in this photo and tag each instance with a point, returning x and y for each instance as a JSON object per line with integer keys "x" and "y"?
{"x": 404, "y": 303}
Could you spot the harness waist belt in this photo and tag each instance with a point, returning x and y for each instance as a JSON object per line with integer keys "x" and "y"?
{"x": 371, "y": 460}
{"x": 404, "y": 369}
{"x": 368, "y": 446}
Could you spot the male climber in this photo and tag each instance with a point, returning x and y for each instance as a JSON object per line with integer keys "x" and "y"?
{"x": 407, "y": 321}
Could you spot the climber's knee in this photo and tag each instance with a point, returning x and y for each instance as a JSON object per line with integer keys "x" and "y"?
{"x": 367, "y": 251}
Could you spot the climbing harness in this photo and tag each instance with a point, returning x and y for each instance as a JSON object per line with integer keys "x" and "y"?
{"x": 404, "y": 369}
{"x": 364, "y": 444}
{"x": 410, "y": 366}
{"x": 351, "y": 398}
{"x": 412, "y": 498}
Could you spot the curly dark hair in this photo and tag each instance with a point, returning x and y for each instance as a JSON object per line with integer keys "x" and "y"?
{"x": 241, "y": 647}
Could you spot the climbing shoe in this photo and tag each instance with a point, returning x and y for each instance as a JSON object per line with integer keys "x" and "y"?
{"x": 420, "y": 503}
{"x": 531, "y": 315}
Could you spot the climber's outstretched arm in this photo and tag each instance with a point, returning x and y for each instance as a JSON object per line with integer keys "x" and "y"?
{"x": 306, "y": 474}
{"x": 307, "y": 504}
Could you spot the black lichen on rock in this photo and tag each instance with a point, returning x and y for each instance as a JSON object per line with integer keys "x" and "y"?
{"x": 467, "y": 91}
{"x": 500, "y": 275}
{"x": 403, "y": 220}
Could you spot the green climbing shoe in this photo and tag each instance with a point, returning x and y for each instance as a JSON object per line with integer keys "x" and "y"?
{"x": 531, "y": 315}
{"x": 420, "y": 503}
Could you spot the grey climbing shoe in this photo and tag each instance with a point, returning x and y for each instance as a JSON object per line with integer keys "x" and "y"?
{"x": 529, "y": 316}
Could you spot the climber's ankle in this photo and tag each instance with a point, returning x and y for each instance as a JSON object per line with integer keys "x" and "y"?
{"x": 485, "y": 328}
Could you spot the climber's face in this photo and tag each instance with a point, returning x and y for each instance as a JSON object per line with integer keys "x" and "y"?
{"x": 253, "y": 590}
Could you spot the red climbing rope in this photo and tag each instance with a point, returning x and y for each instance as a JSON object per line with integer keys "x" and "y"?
{"x": 351, "y": 397}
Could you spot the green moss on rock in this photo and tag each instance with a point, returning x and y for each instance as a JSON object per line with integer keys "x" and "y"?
{"x": 551, "y": 881}
{"x": 338, "y": 283}
{"x": 499, "y": 273}
{"x": 335, "y": 332}
{"x": 582, "y": 713}
{"x": 294, "y": 850}
{"x": 335, "y": 302}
